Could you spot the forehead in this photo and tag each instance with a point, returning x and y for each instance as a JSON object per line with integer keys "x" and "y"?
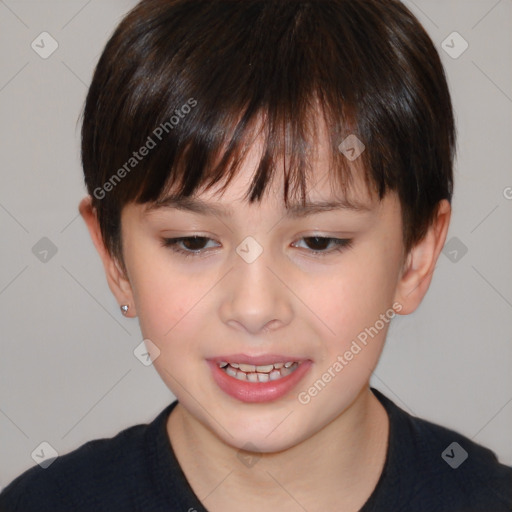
{"x": 316, "y": 201}
{"x": 326, "y": 188}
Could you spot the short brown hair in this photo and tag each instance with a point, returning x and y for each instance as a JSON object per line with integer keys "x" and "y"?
{"x": 200, "y": 73}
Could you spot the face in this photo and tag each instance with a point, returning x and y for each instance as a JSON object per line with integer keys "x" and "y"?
{"x": 261, "y": 286}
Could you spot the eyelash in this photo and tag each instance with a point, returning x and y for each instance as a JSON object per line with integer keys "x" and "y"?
{"x": 172, "y": 243}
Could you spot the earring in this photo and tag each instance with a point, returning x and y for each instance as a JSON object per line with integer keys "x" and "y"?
{"x": 124, "y": 309}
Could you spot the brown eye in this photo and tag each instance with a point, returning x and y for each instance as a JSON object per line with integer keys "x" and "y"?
{"x": 187, "y": 245}
{"x": 319, "y": 244}
{"x": 194, "y": 243}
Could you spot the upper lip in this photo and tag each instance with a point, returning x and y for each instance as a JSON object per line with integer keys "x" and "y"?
{"x": 260, "y": 360}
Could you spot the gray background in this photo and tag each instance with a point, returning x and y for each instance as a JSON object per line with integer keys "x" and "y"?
{"x": 67, "y": 369}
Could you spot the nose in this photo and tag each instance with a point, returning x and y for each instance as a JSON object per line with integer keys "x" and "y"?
{"x": 256, "y": 298}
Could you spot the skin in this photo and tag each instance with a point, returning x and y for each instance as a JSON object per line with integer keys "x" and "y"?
{"x": 288, "y": 301}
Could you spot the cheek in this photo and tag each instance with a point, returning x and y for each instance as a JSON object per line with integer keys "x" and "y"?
{"x": 354, "y": 294}
{"x": 172, "y": 310}
{"x": 174, "y": 306}
{"x": 156, "y": 296}
{"x": 355, "y": 302}
{"x": 157, "y": 289}
{"x": 166, "y": 299}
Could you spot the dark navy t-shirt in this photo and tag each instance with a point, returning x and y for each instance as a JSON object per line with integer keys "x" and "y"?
{"x": 428, "y": 468}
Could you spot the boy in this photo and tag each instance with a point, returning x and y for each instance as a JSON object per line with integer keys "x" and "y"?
{"x": 269, "y": 185}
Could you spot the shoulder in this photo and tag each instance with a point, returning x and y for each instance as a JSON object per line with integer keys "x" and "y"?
{"x": 444, "y": 468}
{"x": 109, "y": 467}
{"x": 461, "y": 470}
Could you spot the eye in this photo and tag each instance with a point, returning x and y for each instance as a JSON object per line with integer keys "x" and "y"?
{"x": 318, "y": 244}
{"x": 193, "y": 245}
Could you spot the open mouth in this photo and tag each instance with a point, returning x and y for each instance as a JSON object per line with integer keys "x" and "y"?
{"x": 262, "y": 373}
{"x": 263, "y": 378}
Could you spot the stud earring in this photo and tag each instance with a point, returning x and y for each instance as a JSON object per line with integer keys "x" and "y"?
{"x": 124, "y": 309}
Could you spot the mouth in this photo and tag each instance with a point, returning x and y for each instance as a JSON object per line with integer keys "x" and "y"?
{"x": 258, "y": 373}
{"x": 258, "y": 378}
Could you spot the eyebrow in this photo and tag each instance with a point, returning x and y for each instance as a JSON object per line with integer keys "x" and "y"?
{"x": 194, "y": 205}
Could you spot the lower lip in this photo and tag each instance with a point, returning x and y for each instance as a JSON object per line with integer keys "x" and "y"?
{"x": 258, "y": 391}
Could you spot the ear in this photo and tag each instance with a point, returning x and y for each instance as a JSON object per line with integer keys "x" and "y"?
{"x": 117, "y": 279}
{"x": 421, "y": 262}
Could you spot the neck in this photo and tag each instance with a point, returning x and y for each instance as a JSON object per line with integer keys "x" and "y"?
{"x": 343, "y": 461}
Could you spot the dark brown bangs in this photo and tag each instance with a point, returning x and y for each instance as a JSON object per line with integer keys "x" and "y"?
{"x": 290, "y": 147}
{"x": 247, "y": 86}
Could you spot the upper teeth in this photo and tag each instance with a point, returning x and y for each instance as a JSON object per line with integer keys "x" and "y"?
{"x": 251, "y": 368}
